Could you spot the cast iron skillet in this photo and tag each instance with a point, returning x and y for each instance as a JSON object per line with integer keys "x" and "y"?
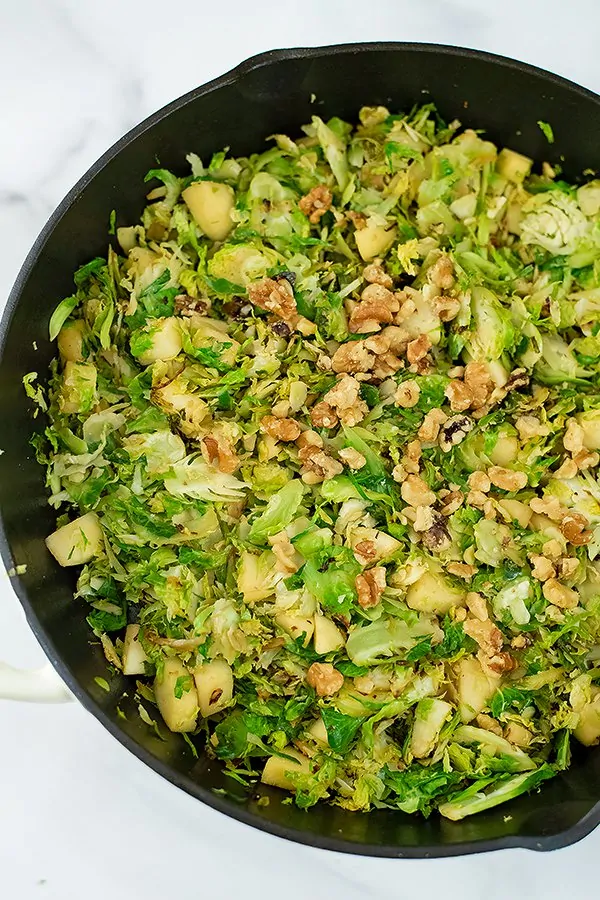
{"x": 268, "y": 93}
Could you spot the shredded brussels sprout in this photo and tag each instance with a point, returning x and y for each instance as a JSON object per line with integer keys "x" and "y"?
{"x": 324, "y": 433}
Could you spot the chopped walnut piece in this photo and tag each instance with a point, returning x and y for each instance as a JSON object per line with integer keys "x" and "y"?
{"x": 437, "y": 538}
{"x": 446, "y": 308}
{"x": 219, "y": 450}
{"x": 399, "y": 473}
{"x": 552, "y": 548}
{"x": 407, "y": 394}
{"x": 441, "y": 273}
{"x": 507, "y": 479}
{"x": 530, "y": 427}
{"x": 424, "y": 519}
{"x": 288, "y": 559}
{"x": 479, "y": 481}
{"x": 548, "y": 506}
{"x": 489, "y": 724}
{"x": 316, "y": 203}
{"x": 352, "y": 458}
{"x": 370, "y": 586}
{"x": 325, "y": 679}
{"x": 586, "y": 459}
{"x": 451, "y": 501}
{"x": 568, "y": 469}
{"x": 322, "y": 415}
{"x": 560, "y": 595}
{"x": 566, "y": 566}
{"x": 374, "y": 273}
{"x": 280, "y": 429}
{"x": 477, "y": 605}
{"x": 477, "y": 499}
{"x": 317, "y": 465}
{"x": 477, "y": 378}
{"x": 418, "y": 349}
{"x": 430, "y": 426}
{"x": 308, "y": 439}
{"x": 453, "y": 431}
{"x": 542, "y": 567}
{"x": 352, "y": 357}
{"x": 415, "y": 492}
{"x": 573, "y": 527}
{"x": 520, "y": 642}
{"x": 276, "y": 297}
{"x": 499, "y": 663}
{"x": 344, "y": 398}
{"x": 459, "y": 395}
{"x": 462, "y": 570}
{"x": 184, "y": 305}
{"x": 378, "y": 306}
{"x": 488, "y": 636}
{"x": 365, "y": 552}
{"x": 573, "y": 436}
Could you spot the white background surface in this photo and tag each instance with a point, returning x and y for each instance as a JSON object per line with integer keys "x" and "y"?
{"x": 79, "y": 816}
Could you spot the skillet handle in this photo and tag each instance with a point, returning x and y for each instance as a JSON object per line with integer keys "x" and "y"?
{"x": 33, "y": 685}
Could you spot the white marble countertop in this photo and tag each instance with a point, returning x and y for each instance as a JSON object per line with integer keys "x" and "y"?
{"x": 79, "y": 815}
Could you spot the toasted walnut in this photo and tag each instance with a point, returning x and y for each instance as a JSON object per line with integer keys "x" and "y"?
{"x": 359, "y": 220}
{"x": 573, "y": 436}
{"x": 507, "y": 479}
{"x": 424, "y": 520}
{"x": 418, "y": 349}
{"x": 365, "y": 552}
{"x": 542, "y": 567}
{"x": 559, "y": 594}
{"x": 477, "y": 378}
{"x": 518, "y": 379}
{"x": 530, "y": 427}
{"x": 460, "y": 396}
{"x": 344, "y": 398}
{"x": 573, "y": 528}
{"x": 430, "y": 426}
{"x": 280, "y": 429}
{"x": 407, "y": 394}
{"x": 288, "y": 559}
{"x": 276, "y": 297}
{"x": 441, "y": 273}
{"x": 219, "y": 450}
{"x": 399, "y": 473}
{"x": 323, "y": 362}
{"x": 325, "y": 679}
{"x": 477, "y": 605}
{"x": 568, "y": 469}
{"x": 517, "y": 734}
{"x": 437, "y": 538}
{"x": 454, "y": 431}
{"x": 316, "y": 203}
{"x": 586, "y": 459}
{"x": 415, "y": 492}
{"x": 407, "y": 309}
{"x": 307, "y": 441}
{"x": 452, "y": 501}
{"x": 489, "y": 510}
{"x": 378, "y": 306}
{"x": 479, "y": 481}
{"x": 566, "y": 566}
{"x": 520, "y": 642}
{"x": 322, "y": 415}
{"x": 374, "y": 273}
{"x": 184, "y": 305}
{"x": 370, "y": 586}
{"x": 352, "y": 357}
{"x": 477, "y": 499}
{"x": 396, "y": 338}
{"x": 548, "y": 506}
{"x": 552, "y": 548}
{"x": 462, "y": 570}
{"x": 446, "y": 308}
{"x": 488, "y": 636}
{"x": 499, "y": 663}
{"x": 489, "y": 724}
{"x": 318, "y": 466}
{"x": 352, "y": 458}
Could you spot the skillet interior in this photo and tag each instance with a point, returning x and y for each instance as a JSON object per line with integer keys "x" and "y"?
{"x": 268, "y": 93}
